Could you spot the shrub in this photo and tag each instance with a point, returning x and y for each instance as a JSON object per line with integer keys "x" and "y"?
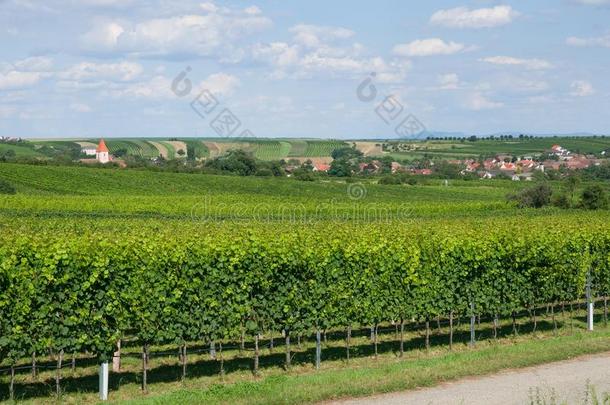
{"x": 533, "y": 197}
{"x": 234, "y": 161}
{"x": 264, "y": 173}
{"x": 6, "y": 187}
{"x": 594, "y": 197}
{"x": 389, "y": 180}
{"x": 303, "y": 175}
{"x": 562, "y": 201}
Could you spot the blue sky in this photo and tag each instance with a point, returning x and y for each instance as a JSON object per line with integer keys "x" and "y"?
{"x": 92, "y": 68}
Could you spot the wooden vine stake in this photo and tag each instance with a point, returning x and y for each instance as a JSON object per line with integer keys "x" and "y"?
{"x": 472, "y": 325}
{"x": 451, "y": 330}
{"x": 144, "y": 368}
{"x": 116, "y": 358}
{"x": 318, "y": 349}
{"x": 12, "y": 384}
{"x": 402, "y": 337}
{"x": 256, "y": 354}
{"x": 183, "y": 358}
{"x": 348, "y": 337}
{"x": 287, "y": 364}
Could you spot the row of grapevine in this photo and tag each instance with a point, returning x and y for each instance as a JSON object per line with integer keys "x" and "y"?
{"x": 69, "y": 294}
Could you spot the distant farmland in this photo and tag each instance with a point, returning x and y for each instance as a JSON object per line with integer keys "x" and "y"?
{"x": 284, "y": 148}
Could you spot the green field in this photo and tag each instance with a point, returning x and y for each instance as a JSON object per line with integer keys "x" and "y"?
{"x": 322, "y": 148}
{"x": 134, "y": 147}
{"x": 517, "y": 147}
{"x": 64, "y": 189}
{"x": 263, "y": 149}
{"x": 276, "y": 149}
{"x": 167, "y": 260}
{"x": 19, "y": 150}
{"x": 271, "y": 150}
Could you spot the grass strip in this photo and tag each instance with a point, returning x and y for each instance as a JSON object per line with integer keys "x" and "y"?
{"x": 390, "y": 376}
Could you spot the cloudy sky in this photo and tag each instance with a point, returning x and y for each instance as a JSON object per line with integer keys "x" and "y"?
{"x": 287, "y": 68}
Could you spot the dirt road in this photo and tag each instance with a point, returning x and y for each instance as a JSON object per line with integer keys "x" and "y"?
{"x": 565, "y": 381}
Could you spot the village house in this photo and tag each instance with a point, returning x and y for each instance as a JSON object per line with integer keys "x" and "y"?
{"x": 373, "y": 167}
{"x": 526, "y": 164}
{"x": 560, "y": 152}
{"x": 489, "y": 164}
{"x": 507, "y": 166}
{"x": 578, "y": 163}
{"x": 473, "y": 166}
{"x": 321, "y": 167}
{"x": 397, "y": 167}
{"x": 88, "y": 150}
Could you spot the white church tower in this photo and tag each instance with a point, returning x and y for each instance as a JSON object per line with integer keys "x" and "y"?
{"x": 101, "y": 153}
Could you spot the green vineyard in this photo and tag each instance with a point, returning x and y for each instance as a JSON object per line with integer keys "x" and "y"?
{"x": 68, "y": 293}
{"x": 93, "y": 256}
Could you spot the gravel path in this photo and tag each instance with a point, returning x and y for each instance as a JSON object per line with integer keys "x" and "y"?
{"x": 565, "y": 381}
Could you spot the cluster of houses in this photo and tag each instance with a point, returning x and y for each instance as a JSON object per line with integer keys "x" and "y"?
{"x": 523, "y": 168}
{"x": 372, "y": 167}
{"x": 502, "y": 165}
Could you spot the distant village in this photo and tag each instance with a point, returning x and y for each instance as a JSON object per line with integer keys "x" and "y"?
{"x": 502, "y": 165}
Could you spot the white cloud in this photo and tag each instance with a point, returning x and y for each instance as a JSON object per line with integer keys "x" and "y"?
{"x": 160, "y": 87}
{"x": 215, "y": 31}
{"x": 73, "y": 85}
{"x": 279, "y": 54}
{"x": 448, "y": 81}
{"x": 463, "y": 17}
{"x": 292, "y": 60}
{"x": 18, "y": 80}
{"x": 603, "y": 41}
{"x": 123, "y": 71}
{"x": 221, "y": 84}
{"x": 103, "y": 36}
{"x": 532, "y": 64}
{"x": 313, "y": 36}
{"x": 581, "y": 88}
{"x": 428, "y": 47}
{"x": 34, "y": 64}
{"x": 24, "y": 73}
{"x": 319, "y": 50}
{"x": 477, "y": 102}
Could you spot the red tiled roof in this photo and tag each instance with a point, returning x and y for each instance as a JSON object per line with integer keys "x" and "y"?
{"x": 102, "y": 147}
